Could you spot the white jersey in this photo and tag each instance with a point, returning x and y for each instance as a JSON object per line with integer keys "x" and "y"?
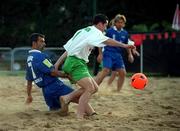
{"x": 83, "y": 41}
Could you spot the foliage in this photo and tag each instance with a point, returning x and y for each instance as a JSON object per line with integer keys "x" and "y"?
{"x": 140, "y": 28}
{"x": 59, "y": 19}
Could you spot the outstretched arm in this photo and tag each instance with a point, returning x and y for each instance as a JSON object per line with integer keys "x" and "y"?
{"x": 60, "y": 60}
{"x": 112, "y": 42}
{"x": 135, "y": 52}
{"x": 61, "y": 74}
{"x": 130, "y": 56}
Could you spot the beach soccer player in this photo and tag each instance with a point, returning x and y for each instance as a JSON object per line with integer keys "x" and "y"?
{"x": 112, "y": 56}
{"x": 41, "y": 71}
{"x": 75, "y": 57}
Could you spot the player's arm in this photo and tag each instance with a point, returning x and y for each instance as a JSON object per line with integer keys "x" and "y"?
{"x": 57, "y": 73}
{"x": 112, "y": 42}
{"x": 133, "y": 51}
{"x": 29, "y": 90}
{"x": 47, "y": 67}
{"x": 130, "y": 56}
{"x": 100, "y": 55}
{"x": 60, "y": 60}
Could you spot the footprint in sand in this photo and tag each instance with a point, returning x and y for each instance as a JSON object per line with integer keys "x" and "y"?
{"x": 8, "y": 127}
{"x": 24, "y": 115}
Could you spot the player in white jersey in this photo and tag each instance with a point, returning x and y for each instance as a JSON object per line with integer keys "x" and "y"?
{"x": 78, "y": 49}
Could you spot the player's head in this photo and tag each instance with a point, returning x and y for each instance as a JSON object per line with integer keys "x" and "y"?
{"x": 100, "y": 21}
{"x": 119, "y": 21}
{"x": 111, "y": 23}
{"x": 37, "y": 41}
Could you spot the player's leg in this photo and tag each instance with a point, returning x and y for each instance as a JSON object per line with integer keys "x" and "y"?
{"x": 52, "y": 95}
{"x": 74, "y": 97}
{"x": 49, "y": 99}
{"x": 101, "y": 75}
{"x": 96, "y": 63}
{"x": 78, "y": 70}
{"x": 67, "y": 95}
{"x": 89, "y": 109}
{"x": 121, "y": 78}
{"x": 107, "y": 64}
{"x": 120, "y": 68}
{"x": 88, "y": 85}
{"x": 112, "y": 77}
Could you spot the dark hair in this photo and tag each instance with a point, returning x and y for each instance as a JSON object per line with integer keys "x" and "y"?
{"x": 34, "y": 37}
{"x": 100, "y": 18}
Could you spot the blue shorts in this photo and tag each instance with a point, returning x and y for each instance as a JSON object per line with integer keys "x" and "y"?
{"x": 53, "y": 92}
{"x": 113, "y": 61}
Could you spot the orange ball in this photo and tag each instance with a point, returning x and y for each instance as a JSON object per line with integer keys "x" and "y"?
{"x": 139, "y": 81}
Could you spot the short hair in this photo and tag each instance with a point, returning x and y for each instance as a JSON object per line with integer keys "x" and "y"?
{"x": 34, "y": 37}
{"x": 119, "y": 17}
{"x": 100, "y": 18}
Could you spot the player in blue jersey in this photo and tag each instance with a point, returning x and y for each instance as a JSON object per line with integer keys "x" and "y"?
{"x": 45, "y": 76}
{"x": 112, "y": 56}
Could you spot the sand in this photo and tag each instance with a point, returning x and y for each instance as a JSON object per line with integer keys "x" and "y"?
{"x": 157, "y": 107}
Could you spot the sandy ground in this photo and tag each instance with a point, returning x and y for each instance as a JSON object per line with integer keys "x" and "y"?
{"x": 157, "y": 107}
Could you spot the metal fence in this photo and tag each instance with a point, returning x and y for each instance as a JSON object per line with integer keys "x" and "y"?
{"x": 5, "y": 64}
{"x": 15, "y": 59}
{"x": 159, "y": 57}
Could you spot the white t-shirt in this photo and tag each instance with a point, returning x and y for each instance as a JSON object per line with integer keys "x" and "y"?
{"x": 83, "y": 41}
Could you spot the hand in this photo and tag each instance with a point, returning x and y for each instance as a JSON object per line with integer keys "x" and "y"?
{"x": 69, "y": 77}
{"x": 135, "y": 52}
{"x": 29, "y": 99}
{"x": 130, "y": 58}
{"x": 129, "y": 46}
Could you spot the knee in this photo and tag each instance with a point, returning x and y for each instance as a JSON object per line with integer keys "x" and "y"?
{"x": 106, "y": 71}
{"x": 92, "y": 89}
{"x": 122, "y": 73}
{"x": 95, "y": 90}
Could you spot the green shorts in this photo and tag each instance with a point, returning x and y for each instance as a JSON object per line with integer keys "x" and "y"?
{"x": 76, "y": 67}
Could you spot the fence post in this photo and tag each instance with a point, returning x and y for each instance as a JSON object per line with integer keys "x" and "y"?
{"x": 141, "y": 58}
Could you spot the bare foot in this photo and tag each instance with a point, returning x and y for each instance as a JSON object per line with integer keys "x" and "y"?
{"x": 64, "y": 105}
{"x": 62, "y": 113}
{"x": 80, "y": 117}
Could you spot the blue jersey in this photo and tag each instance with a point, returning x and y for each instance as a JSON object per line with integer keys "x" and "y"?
{"x": 39, "y": 68}
{"x": 112, "y": 58}
{"x": 119, "y": 35}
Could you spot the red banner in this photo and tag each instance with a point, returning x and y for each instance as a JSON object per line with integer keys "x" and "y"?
{"x": 139, "y": 38}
